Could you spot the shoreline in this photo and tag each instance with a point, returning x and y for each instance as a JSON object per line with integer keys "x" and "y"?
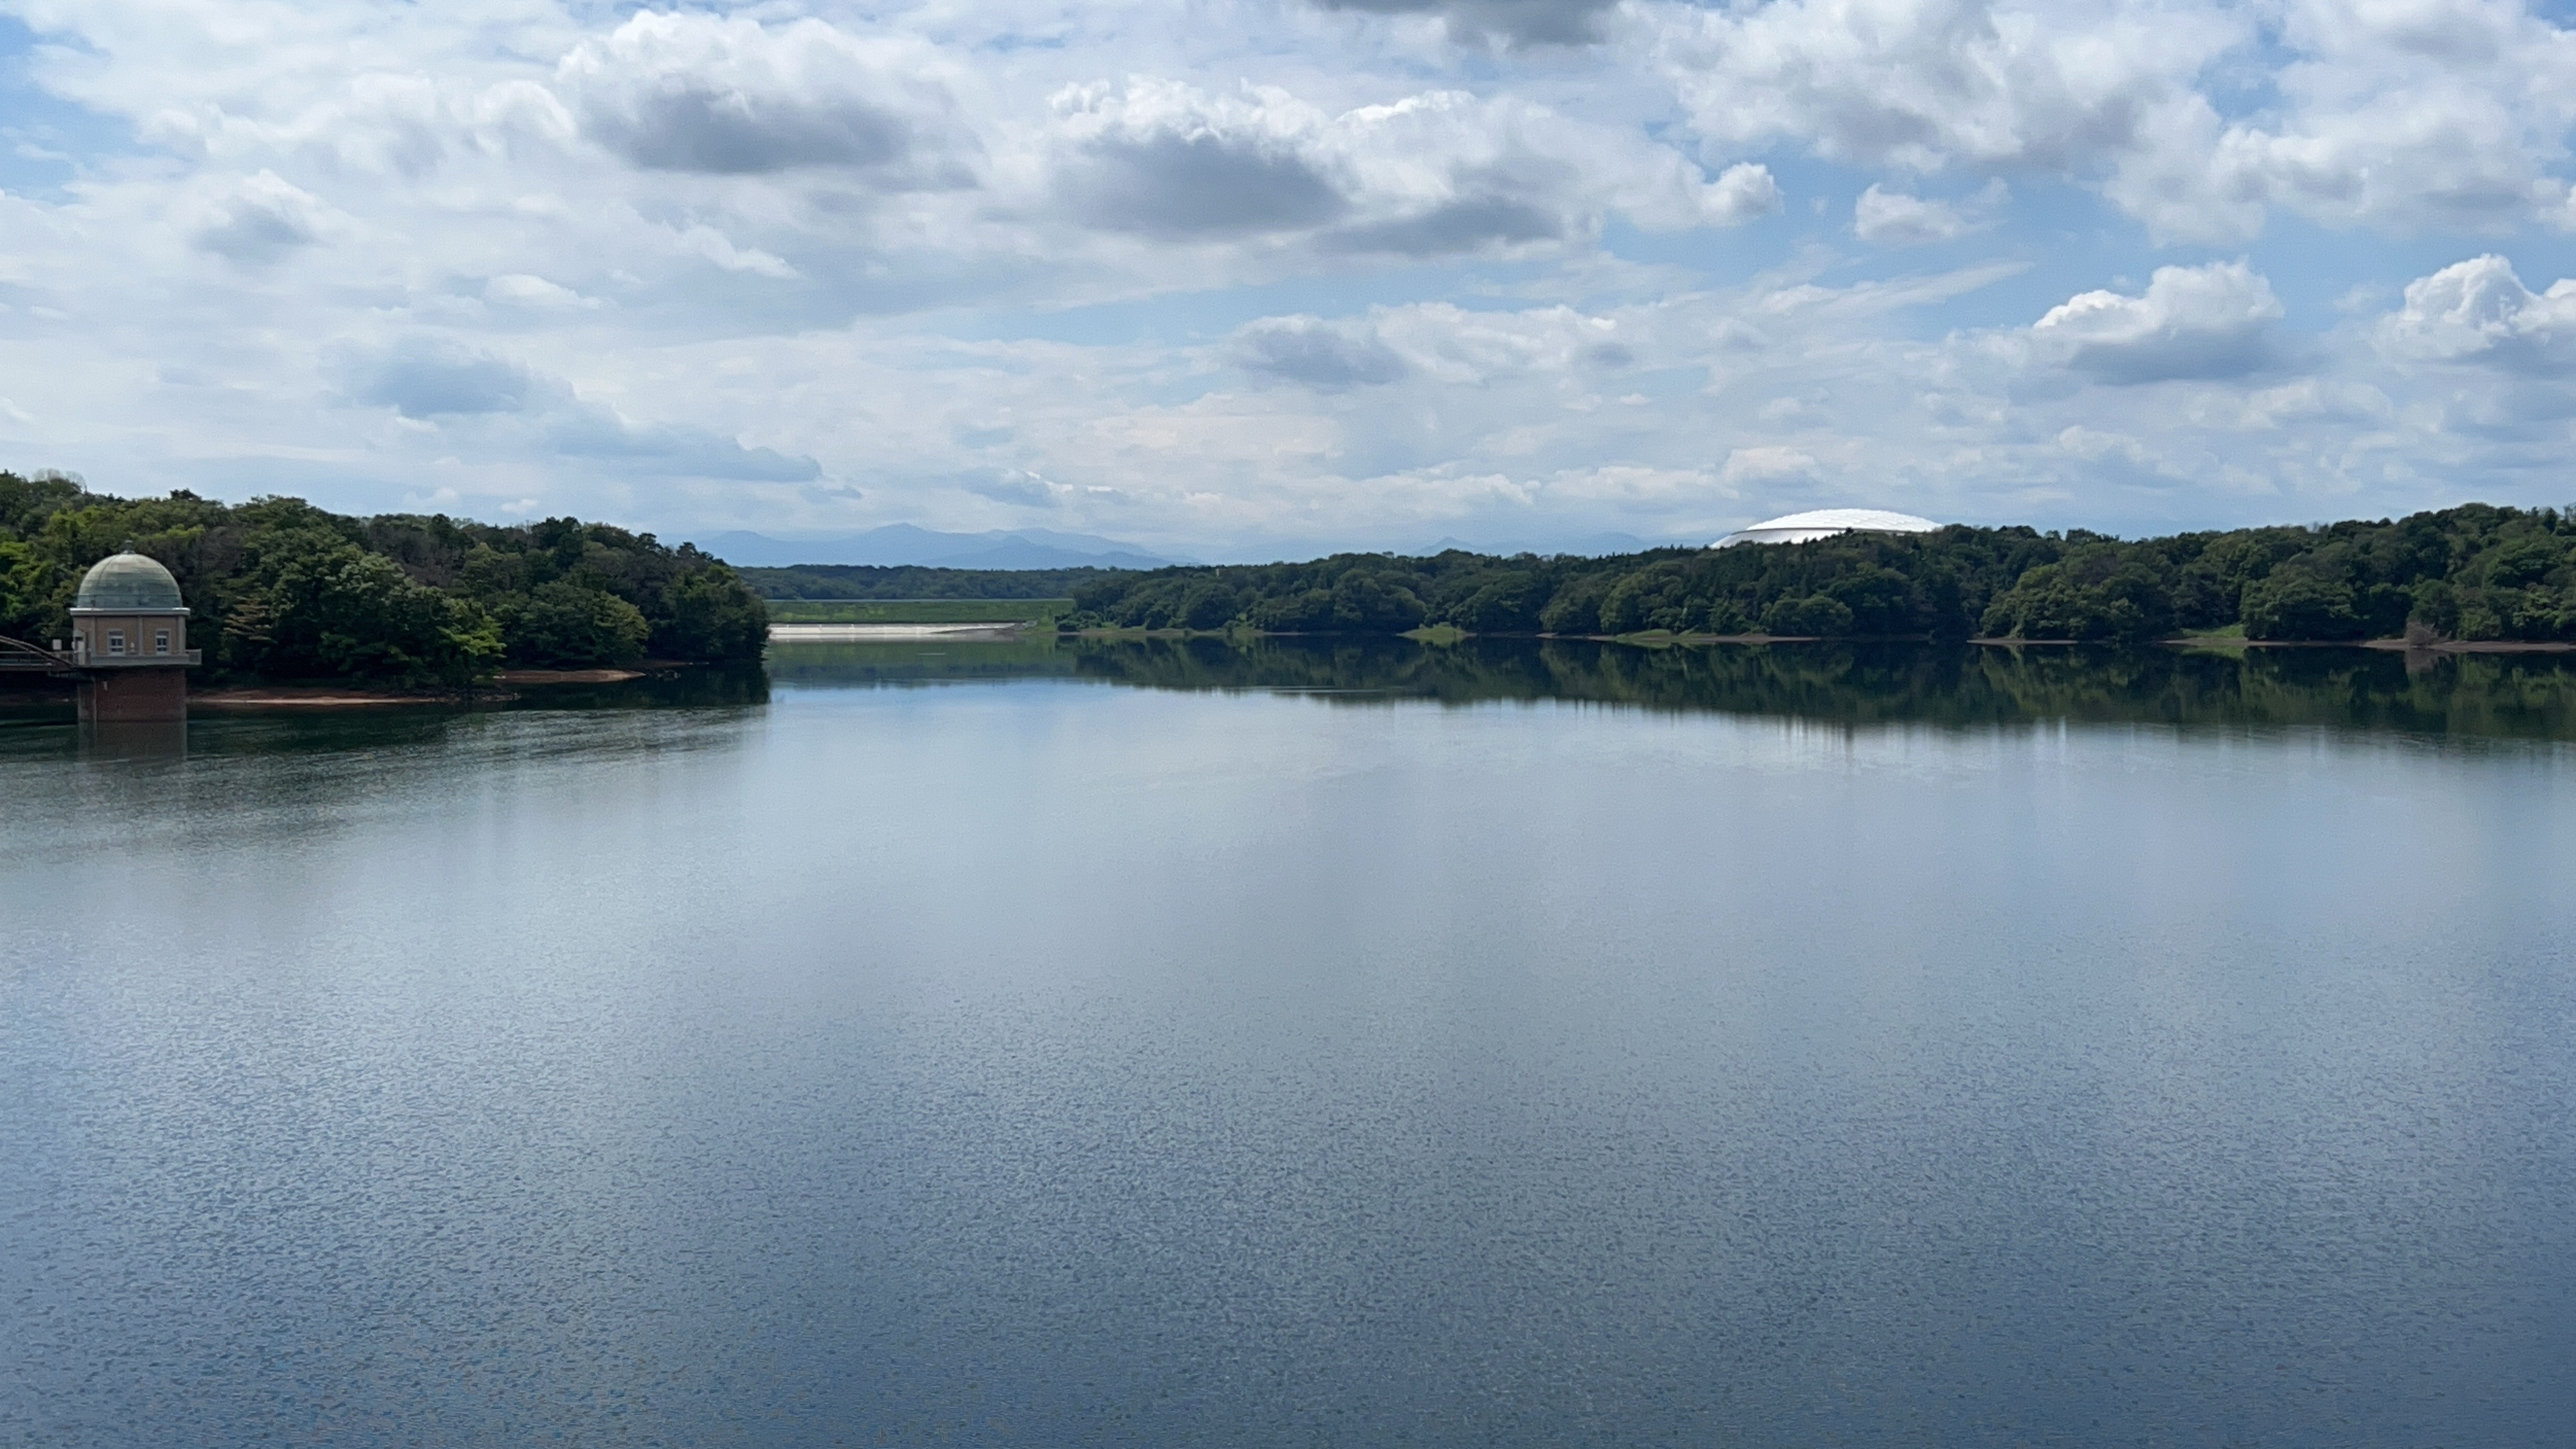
{"x": 270, "y": 696}
{"x": 341, "y": 696}
{"x": 865, "y": 633}
{"x": 1442, "y": 635}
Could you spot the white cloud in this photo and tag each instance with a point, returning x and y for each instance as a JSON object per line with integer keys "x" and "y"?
{"x": 1019, "y": 488}
{"x": 424, "y": 378}
{"x": 2386, "y": 115}
{"x": 1892, "y": 218}
{"x": 1316, "y": 353}
{"x": 1163, "y": 159}
{"x": 518, "y": 289}
{"x": 1766, "y": 464}
{"x": 1499, "y": 22}
{"x": 2204, "y": 322}
{"x": 1459, "y": 347}
{"x": 2392, "y": 115}
{"x": 2306, "y": 402}
{"x": 1644, "y": 489}
{"x": 729, "y": 96}
{"x": 1432, "y": 174}
{"x": 1927, "y": 84}
{"x": 2093, "y": 445}
{"x": 705, "y": 241}
{"x": 2479, "y": 311}
{"x": 262, "y": 220}
{"x": 475, "y": 398}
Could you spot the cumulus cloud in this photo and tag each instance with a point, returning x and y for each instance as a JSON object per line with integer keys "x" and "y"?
{"x": 2441, "y": 112}
{"x": 262, "y": 220}
{"x": 518, "y": 289}
{"x": 1316, "y": 354}
{"x": 1018, "y": 488}
{"x": 1768, "y": 463}
{"x": 2204, "y": 322}
{"x": 1455, "y": 226}
{"x": 590, "y": 431}
{"x": 1893, "y": 218}
{"x": 498, "y": 401}
{"x": 705, "y": 241}
{"x": 1458, "y": 346}
{"x": 1435, "y": 174}
{"x": 2383, "y": 115}
{"x": 2479, "y": 311}
{"x": 1926, "y": 84}
{"x": 427, "y": 377}
{"x": 2306, "y": 401}
{"x": 1636, "y": 487}
{"x": 1500, "y": 22}
{"x": 1165, "y": 161}
{"x": 730, "y": 96}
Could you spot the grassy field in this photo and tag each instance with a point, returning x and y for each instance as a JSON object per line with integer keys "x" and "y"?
{"x": 916, "y": 611}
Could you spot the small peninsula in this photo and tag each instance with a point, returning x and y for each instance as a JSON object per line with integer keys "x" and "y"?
{"x": 280, "y": 591}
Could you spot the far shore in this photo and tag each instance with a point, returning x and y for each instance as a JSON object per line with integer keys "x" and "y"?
{"x": 865, "y": 633}
{"x": 1656, "y": 638}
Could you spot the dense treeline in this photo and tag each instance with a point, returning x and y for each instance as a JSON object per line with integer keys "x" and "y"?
{"x": 280, "y": 589}
{"x": 2473, "y": 572}
{"x": 912, "y": 581}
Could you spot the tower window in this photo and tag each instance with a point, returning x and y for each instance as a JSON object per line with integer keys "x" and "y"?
{"x": 115, "y": 641}
{"x": 160, "y": 641}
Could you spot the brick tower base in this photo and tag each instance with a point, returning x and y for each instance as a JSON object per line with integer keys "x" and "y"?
{"x": 134, "y": 696}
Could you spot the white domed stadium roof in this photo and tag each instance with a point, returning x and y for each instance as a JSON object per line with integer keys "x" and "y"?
{"x": 1827, "y": 523}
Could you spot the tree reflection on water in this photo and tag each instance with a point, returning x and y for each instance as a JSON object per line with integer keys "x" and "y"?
{"x": 2529, "y": 696}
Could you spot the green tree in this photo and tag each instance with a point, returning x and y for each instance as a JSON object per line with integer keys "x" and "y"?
{"x": 1205, "y": 605}
{"x": 1505, "y": 602}
{"x": 565, "y": 625}
{"x": 1820, "y": 615}
{"x": 313, "y": 605}
{"x": 712, "y": 616}
{"x": 2099, "y": 591}
{"x": 1374, "y": 603}
{"x": 1655, "y": 597}
{"x": 1881, "y": 600}
{"x": 2296, "y": 604}
{"x": 1576, "y": 606}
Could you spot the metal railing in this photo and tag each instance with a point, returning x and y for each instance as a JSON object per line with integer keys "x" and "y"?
{"x": 18, "y": 654}
{"x": 86, "y": 659}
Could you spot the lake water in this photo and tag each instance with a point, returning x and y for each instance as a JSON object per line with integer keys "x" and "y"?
{"x": 1307, "y": 1045}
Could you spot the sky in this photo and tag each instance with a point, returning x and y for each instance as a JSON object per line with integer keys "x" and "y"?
{"x": 1245, "y": 279}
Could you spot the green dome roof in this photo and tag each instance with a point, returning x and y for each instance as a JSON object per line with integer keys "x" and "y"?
{"x": 128, "y": 581}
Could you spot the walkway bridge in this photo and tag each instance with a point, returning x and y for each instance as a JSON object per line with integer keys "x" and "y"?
{"x": 17, "y": 656}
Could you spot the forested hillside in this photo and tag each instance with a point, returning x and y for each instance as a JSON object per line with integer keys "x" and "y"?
{"x": 2474, "y": 572}
{"x": 280, "y": 589}
{"x": 915, "y": 581}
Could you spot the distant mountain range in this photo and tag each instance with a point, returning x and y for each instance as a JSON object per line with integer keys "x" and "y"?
{"x": 898, "y": 544}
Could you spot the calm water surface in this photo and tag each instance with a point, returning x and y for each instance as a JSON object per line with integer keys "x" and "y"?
{"x": 1036, "y": 1059}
